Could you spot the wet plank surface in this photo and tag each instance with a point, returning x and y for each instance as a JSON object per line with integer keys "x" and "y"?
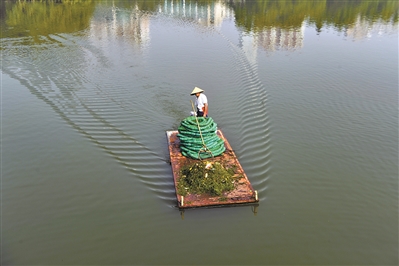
{"x": 243, "y": 193}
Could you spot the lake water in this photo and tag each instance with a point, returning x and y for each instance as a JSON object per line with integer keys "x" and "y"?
{"x": 306, "y": 93}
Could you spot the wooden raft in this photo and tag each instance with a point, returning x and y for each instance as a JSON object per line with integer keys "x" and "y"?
{"x": 243, "y": 193}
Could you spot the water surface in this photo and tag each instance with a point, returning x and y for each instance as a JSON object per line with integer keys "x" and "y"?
{"x": 306, "y": 93}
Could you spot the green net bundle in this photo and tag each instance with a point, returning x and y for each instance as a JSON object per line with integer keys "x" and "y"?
{"x": 191, "y": 144}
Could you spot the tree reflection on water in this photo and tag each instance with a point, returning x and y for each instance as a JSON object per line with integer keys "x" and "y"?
{"x": 267, "y": 18}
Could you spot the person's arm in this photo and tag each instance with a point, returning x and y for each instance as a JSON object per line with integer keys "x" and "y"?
{"x": 205, "y": 108}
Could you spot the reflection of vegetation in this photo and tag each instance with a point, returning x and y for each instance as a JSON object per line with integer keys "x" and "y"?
{"x": 44, "y": 17}
{"x": 340, "y": 14}
{"x": 142, "y": 5}
{"x": 153, "y": 5}
{"x": 3, "y": 9}
{"x": 253, "y": 15}
{"x": 258, "y": 14}
{"x": 37, "y": 18}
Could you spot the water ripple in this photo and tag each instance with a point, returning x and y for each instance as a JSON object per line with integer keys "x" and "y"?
{"x": 254, "y": 124}
{"x": 60, "y": 73}
{"x": 95, "y": 114}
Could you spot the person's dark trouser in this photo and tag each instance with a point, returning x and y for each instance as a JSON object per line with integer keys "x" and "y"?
{"x": 199, "y": 113}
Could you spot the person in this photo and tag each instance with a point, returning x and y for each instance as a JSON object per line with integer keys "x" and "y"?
{"x": 201, "y": 102}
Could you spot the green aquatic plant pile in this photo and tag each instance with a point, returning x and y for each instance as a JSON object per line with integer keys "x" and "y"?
{"x": 206, "y": 178}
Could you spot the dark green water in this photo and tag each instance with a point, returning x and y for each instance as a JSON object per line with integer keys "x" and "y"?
{"x": 306, "y": 92}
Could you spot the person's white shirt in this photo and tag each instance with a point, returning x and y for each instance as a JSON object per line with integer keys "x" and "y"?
{"x": 201, "y": 101}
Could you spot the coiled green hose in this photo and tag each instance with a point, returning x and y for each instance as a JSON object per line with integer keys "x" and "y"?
{"x": 199, "y": 140}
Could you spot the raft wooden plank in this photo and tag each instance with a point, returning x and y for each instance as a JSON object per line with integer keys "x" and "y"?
{"x": 242, "y": 194}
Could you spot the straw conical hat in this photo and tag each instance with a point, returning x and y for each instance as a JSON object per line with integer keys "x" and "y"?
{"x": 196, "y": 90}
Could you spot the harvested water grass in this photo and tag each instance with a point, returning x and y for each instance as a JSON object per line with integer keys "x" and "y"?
{"x": 206, "y": 177}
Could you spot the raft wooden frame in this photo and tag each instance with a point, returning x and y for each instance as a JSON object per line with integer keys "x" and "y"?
{"x": 241, "y": 195}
